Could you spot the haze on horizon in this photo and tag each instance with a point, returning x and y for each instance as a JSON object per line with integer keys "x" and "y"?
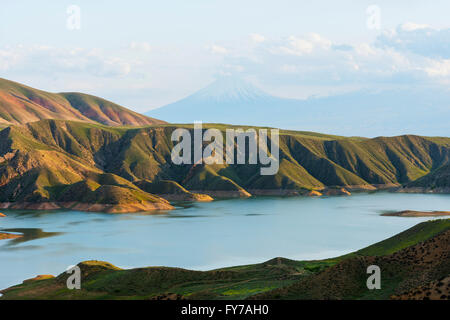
{"x": 146, "y": 55}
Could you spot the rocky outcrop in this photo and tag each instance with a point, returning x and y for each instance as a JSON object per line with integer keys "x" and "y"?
{"x": 336, "y": 192}
{"x": 169, "y": 296}
{"x": 171, "y": 191}
{"x": 275, "y": 192}
{"x": 435, "y": 290}
{"x": 225, "y": 194}
{"x": 89, "y": 207}
{"x": 407, "y": 189}
{"x": 6, "y": 235}
{"x": 314, "y": 193}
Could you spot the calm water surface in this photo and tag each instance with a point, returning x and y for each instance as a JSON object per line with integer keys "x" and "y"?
{"x": 205, "y": 235}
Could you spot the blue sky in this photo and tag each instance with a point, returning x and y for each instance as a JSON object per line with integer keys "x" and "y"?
{"x": 143, "y": 54}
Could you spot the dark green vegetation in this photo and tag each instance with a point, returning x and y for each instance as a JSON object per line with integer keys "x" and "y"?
{"x": 418, "y": 233}
{"x": 58, "y": 163}
{"x": 20, "y": 104}
{"x": 438, "y": 179}
{"x": 410, "y": 259}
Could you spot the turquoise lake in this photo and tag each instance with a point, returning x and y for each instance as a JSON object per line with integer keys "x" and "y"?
{"x": 205, "y": 236}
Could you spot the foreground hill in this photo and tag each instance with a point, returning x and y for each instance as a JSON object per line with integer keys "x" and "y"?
{"x": 56, "y": 163}
{"x": 21, "y": 104}
{"x": 415, "y": 258}
{"x": 416, "y": 264}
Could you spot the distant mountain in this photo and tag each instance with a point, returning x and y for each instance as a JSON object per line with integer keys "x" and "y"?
{"x": 227, "y": 100}
{"x": 20, "y": 104}
{"x": 229, "y": 90}
{"x": 420, "y": 111}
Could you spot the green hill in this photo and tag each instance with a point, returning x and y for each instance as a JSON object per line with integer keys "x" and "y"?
{"x": 438, "y": 179}
{"x": 417, "y": 257}
{"x": 21, "y": 104}
{"x": 39, "y": 160}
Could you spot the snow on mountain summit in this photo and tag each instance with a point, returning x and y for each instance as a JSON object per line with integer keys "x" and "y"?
{"x": 235, "y": 101}
{"x": 229, "y": 89}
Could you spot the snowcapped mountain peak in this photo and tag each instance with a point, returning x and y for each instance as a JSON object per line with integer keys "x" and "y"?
{"x": 230, "y": 89}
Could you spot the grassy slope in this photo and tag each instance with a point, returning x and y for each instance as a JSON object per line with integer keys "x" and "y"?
{"x": 439, "y": 178}
{"x": 53, "y": 161}
{"x": 408, "y": 260}
{"x": 104, "y": 281}
{"x": 21, "y": 104}
{"x": 40, "y": 159}
{"x": 418, "y": 233}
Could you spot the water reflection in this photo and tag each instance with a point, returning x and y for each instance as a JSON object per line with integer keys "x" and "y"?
{"x": 26, "y": 214}
{"x": 28, "y": 234}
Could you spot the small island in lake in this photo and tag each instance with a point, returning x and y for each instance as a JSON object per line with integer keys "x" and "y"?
{"x": 412, "y": 213}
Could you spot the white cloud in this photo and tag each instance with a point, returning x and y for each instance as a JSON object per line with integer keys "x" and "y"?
{"x": 7, "y": 59}
{"x": 257, "y": 38}
{"x": 144, "y": 46}
{"x": 304, "y": 45}
{"x": 218, "y": 49}
{"x": 50, "y": 60}
{"x": 410, "y": 54}
{"x": 418, "y": 39}
{"x": 297, "y": 46}
{"x": 313, "y": 60}
{"x": 411, "y": 26}
{"x": 438, "y": 68}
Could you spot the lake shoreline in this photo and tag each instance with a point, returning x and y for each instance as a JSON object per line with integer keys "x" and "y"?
{"x": 166, "y": 238}
{"x": 88, "y": 207}
{"x": 208, "y": 196}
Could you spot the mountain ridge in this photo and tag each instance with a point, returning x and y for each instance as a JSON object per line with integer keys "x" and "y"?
{"x": 45, "y": 161}
{"x": 389, "y": 112}
{"x": 20, "y": 104}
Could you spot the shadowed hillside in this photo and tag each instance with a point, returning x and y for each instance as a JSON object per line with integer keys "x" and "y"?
{"x": 20, "y": 104}
{"x": 65, "y": 161}
{"x": 438, "y": 180}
